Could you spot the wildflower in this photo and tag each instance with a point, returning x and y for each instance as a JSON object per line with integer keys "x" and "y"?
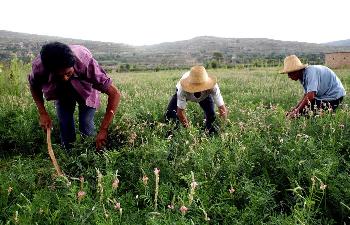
{"x": 241, "y": 126}
{"x": 132, "y": 138}
{"x": 194, "y": 184}
{"x": 341, "y": 126}
{"x": 69, "y": 183}
{"x": 156, "y": 171}
{"x": 81, "y": 195}
{"x": 115, "y": 183}
{"x": 99, "y": 184}
{"x": 117, "y": 206}
{"x": 231, "y": 190}
{"x": 9, "y": 190}
{"x": 273, "y": 107}
{"x": 169, "y": 137}
{"x": 183, "y": 209}
{"x": 144, "y": 179}
{"x": 323, "y": 186}
{"x": 170, "y": 206}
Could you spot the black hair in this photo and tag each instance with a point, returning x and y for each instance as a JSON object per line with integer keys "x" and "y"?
{"x": 56, "y": 55}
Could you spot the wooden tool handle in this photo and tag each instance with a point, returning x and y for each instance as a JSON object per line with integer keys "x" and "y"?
{"x": 51, "y": 153}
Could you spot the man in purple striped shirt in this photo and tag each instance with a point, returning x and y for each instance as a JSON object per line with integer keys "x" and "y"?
{"x": 70, "y": 75}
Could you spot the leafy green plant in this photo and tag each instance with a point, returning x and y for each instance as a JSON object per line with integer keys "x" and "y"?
{"x": 260, "y": 168}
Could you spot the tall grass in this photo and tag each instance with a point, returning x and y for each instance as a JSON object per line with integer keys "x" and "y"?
{"x": 260, "y": 169}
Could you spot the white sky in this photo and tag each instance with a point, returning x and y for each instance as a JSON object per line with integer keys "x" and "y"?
{"x": 140, "y": 22}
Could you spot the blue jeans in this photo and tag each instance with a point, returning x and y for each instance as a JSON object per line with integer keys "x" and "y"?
{"x": 206, "y": 104}
{"x": 65, "y": 112}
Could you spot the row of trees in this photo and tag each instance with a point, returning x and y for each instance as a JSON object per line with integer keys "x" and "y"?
{"x": 219, "y": 60}
{"x": 216, "y": 60}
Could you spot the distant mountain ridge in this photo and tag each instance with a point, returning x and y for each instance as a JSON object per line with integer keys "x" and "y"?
{"x": 170, "y": 54}
{"x": 339, "y": 43}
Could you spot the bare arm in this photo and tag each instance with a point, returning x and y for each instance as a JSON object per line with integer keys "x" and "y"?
{"x": 45, "y": 120}
{"x": 182, "y": 117}
{"x": 113, "y": 103}
{"x": 301, "y": 105}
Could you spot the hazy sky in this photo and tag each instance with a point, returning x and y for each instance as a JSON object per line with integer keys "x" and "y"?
{"x": 140, "y": 22}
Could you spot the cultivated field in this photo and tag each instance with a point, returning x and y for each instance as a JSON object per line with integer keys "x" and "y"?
{"x": 260, "y": 169}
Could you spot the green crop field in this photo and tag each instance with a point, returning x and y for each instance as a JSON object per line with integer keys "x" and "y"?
{"x": 261, "y": 168}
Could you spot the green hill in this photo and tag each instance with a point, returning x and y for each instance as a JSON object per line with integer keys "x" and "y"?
{"x": 171, "y": 54}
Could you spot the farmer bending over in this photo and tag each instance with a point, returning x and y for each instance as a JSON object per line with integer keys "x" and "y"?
{"x": 196, "y": 86}
{"x": 322, "y": 87}
{"x": 70, "y": 75}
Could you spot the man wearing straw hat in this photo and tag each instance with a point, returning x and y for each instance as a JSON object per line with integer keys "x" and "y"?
{"x": 196, "y": 86}
{"x": 322, "y": 87}
{"x": 70, "y": 75}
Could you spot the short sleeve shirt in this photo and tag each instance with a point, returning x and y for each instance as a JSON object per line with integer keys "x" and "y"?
{"x": 323, "y": 81}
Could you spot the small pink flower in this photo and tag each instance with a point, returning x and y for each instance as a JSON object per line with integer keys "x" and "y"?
{"x": 81, "y": 195}
{"x": 231, "y": 190}
{"x": 194, "y": 184}
{"x": 117, "y": 206}
{"x": 115, "y": 183}
{"x": 171, "y": 206}
{"x": 183, "y": 209}
{"x": 144, "y": 179}
{"x": 156, "y": 171}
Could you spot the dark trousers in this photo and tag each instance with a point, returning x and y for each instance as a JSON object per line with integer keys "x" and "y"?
{"x": 207, "y": 105}
{"x": 65, "y": 108}
{"x": 324, "y": 105}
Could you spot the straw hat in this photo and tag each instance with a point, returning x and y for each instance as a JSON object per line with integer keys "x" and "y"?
{"x": 198, "y": 80}
{"x": 292, "y": 63}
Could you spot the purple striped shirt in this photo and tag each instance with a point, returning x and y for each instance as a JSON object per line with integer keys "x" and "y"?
{"x": 89, "y": 78}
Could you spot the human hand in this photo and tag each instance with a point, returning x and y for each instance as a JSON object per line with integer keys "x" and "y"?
{"x": 223, "y": 112}
{"x": 223, "y": 115}
{"x": 101, "y": 139}
{"x": 45, "y": 121}
{"x": 186, "y": 125}
{"x": 292, "y": 114}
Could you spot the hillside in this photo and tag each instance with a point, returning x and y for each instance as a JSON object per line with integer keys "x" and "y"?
{"x": 170, "y": 54}
{"x": 339, "y": 43}
{"x": 27, "y": 45}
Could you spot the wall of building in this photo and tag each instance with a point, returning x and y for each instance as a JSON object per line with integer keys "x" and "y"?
{"x": 338, "y": 60}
